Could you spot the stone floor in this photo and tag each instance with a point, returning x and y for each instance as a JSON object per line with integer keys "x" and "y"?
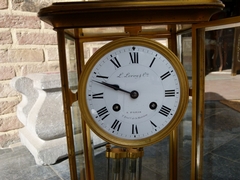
{"x": 221, "y": 159}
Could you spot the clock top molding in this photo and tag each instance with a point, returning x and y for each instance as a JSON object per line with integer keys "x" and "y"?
{"x": 124, "y": 13}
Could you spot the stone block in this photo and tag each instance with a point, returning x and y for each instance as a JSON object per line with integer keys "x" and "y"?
{"x": 25, "y": 55}
{"x": 41, "y": 98}
{"x": 8, "y": 106}
{"x": 41, "y": 112}
{"x": 3, "y": 4}
{"x": 20, "y": 21}
{"x": 8, "y": 123}
{"x": 6, "y": 37}
{"x": 3, "y": 55}
{"x": 7, "y": 91}
{"x": 47, "y": 26}
{"x": 52, "y": 54}
{"x": 53, "y": 66}
{"x": 8, "y": 138}
{"x": 24, "y": 86}
{"x": 46, "y": 152}
{"x": 35, "y": 38}
{"x": 30, "y": 5}
{"x": 7, "y": 72}
{"x": 24, "y": 69}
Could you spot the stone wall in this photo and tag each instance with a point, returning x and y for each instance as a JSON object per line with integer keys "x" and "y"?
{"x": 27, "y": 45}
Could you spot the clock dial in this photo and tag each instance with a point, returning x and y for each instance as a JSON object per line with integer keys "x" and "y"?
{"x": 132, "y": 93}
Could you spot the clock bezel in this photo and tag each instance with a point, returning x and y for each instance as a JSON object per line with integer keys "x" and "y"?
{"x": 131, "y": 41}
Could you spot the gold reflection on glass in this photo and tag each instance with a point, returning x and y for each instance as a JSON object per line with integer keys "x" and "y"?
{"x": 160, "y": 28}
{"x": 71, "y": 64}
{"x": 105, "y": 30}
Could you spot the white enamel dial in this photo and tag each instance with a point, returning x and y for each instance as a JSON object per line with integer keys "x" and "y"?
{"x": 132, "y": 93}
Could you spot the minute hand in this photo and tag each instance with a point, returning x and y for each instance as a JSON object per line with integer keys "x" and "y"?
{"x": 113, "y": 86}
{"x": 133, "y": 94}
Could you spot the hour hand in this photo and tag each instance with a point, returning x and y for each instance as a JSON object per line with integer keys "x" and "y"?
{"x": 133, "y": 94}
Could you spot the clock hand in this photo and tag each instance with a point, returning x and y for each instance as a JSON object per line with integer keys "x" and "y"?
{"x": 113, "y": 86}
{"x": 133, "y": 94}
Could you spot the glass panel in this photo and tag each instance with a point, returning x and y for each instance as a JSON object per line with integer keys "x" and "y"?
{"x": 78, "y": 142}
{"x": 99, "y": 157}
{"x": 185, "y": 54}
{"x": 75, "y": 111}
{"x": 156, "y": 161}
{"x": 222, "y": 103}
{"x": 218, "y": 48}
{"x": 184, "y": 46}
{"x": 91, "y": 47}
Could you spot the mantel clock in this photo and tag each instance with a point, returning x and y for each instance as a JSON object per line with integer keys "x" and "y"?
{"x": 133, "y": 91}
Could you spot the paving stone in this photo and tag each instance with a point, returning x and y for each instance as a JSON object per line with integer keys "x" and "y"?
{"x": 221, "y": 157}
{"x": 62, "y": 169}
{"x": 4, "y": 151}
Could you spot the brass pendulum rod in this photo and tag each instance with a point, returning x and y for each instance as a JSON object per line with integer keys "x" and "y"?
{"x": 124, "y": 163}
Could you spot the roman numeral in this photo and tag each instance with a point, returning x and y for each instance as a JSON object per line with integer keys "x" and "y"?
{"x": 170, "y": 93}
{"x": 116, "y": 125}
{"x": 134, "y": 57}
{"x": 164, "y": 76}
{"x": 165, "y": 110}
{"x": 97, "y": 96}
{"x": 152, "y": 62}
{"x": 153, "y": 125}
{"x": 103, "y": 113}
{"x": 134, "y": 129}
{"x": 99, "y": 76}
{"x": 115, "y": 62}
